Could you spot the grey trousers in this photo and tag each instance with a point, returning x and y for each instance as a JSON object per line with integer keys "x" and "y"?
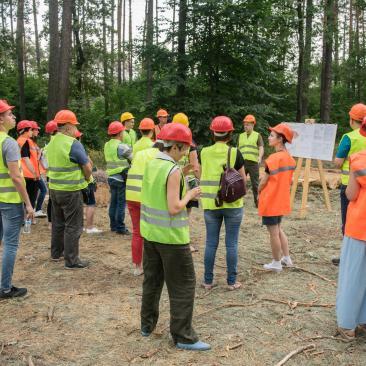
{"x": 67, "y": 225}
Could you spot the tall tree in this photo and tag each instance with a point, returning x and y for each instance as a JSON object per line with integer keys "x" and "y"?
{"x": 181, "y": 56}
{"x": 300, "y": 69}
{"x": 124, "y": 42}
{"x": 149, "y": 48}
{"x": 105, "y": 62}
{"x": 38, "y": 52}
{"x": 157, "y": 21}
{"x": 20, "y": 54}
{"x": 11, "y": 18}
{"x": 80, "y": 58}
{"x": 112, "y": 39}
{"x": 130, "y": 44}
{"x": 173, "y": 24}
{"x": 119, "y": 40}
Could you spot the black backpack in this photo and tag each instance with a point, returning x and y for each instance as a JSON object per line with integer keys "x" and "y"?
{"x": 232, "y": 185}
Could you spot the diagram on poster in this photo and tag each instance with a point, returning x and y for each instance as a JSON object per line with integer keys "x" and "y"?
{"x": 313, "y": 141}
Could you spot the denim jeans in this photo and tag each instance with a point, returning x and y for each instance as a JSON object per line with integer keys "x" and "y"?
{"x": 117, "y": 205}
{"x": 213, "y": 221}
{"x": 42, "y": 194}
{"x": 11, "y": 220}
{"x": 344, "y": 205}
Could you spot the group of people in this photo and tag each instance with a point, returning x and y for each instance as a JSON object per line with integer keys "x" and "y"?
{"x": 160, "y": 178}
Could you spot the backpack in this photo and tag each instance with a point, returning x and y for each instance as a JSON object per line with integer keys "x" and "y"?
{"x": 232, "y": 185}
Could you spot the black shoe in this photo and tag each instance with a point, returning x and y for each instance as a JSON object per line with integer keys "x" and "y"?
{"x": 14, "y": 292}
{"x": 336, "y": 261}
{"x": 126, "y": 232}
{"x": 79, "y": 265}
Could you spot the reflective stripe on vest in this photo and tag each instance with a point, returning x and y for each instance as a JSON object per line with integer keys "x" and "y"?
{"x": 282, "y": 169}
{"x": 248, "y": 146}
{"x": 115, "y": 165}
{"x": 360, "y": 173}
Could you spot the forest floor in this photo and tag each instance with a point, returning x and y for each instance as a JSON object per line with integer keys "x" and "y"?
{"x": 91, "y": 317}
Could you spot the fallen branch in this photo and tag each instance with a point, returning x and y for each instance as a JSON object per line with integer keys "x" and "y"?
{"x": 294, "y": 304}
{"x": 326, "y": 337}
{"x": 150, "y": 353}
{"x": 235, "y": 346}
{"x": 314, "y": 274}
{"x": 294, "y": 353}
{"x": 2, "y": 348}
{"x": 50, "y": 313}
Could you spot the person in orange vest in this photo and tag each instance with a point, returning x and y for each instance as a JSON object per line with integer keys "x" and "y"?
{"x": 274, "y": 194}
{"x": 29, "y": 154}
{"x": 162, "y": 116}
{"x": 351, "y": 292}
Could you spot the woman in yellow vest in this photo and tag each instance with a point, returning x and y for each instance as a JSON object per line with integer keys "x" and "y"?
{"x": 165, "y": 229}
{"x": 213, "y": 161}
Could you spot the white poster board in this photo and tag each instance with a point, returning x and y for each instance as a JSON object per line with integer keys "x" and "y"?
{"x": 313, "y": 140}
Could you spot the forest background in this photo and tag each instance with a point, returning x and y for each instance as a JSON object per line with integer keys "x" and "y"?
{"x": 281, "y": 60}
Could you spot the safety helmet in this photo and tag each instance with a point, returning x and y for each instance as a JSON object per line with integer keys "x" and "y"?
{"x": 249, "y": 118}
{"x": 66, "y": 116}
{"x": 284, "y": 130}
{"x": 175, "y": 132}
{"x": 222, "y": 124}
{"x": 363, "y": 127}
{"x": 35, "y": 126}
{"x": 358, "y": 112}
{"x": 181, "y": 118}
{"x": 24, "y": 124}
{"x": 146, "y": 124}
{"x": 78, "y": 134}
{"x": 126, "y": 116}
{"x": 51, "y": 127}
{"x": 162, "y": 113}
{"x": 4, "y": 106}
{"x": 115, "y": 127}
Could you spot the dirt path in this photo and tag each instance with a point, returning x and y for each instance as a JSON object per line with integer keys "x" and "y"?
{"x": 91, "y": 317}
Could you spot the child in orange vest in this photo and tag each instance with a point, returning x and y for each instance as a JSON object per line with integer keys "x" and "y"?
{"x": 274, "y": 195}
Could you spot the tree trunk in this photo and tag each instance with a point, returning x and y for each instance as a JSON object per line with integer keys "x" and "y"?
{"x": 24, "y": 53}
{"x": 145, "y": 25}
{"x": 119, "y": 33}
{"x": 149, "y": 48}
{"x": 326, "y": 72}
{"x": 52, "y": 105}
{"x": 173, "y": 25}
{"x": 105, "y": 63}
{"x": 38, "y": 52}
{"x": 112, "y": 39}
{"x": 65, "y": 54}
{"x": 157, "y": 21}
{"x": 357, "y": 53}
{"x": 181, "y": 56}
{"x": 130, "y": 45}
{"x": 11, "y": 19}
{"x": 20, "y": 60}
{"x": 124, "y": 42}
{"x": 336, "y": 43}
{"x": 300, "y": 69}
{"x": 3, "y": 25}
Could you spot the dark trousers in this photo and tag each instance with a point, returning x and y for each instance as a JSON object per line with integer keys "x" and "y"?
{"x": 117, "y": 205}
{"x": 67, "y": 224}
{"x": 42, "y": 194}
{"x": 344, "y": 205}
{"x": 32, "y": 190}
{"x": 252, "y": 168}
{"x": 174, "y": 265}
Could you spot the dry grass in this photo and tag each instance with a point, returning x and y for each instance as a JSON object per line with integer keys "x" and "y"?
{"x": 91, "y": 317}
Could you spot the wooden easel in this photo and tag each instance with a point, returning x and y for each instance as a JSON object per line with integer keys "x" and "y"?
{"x": 306, "y": 181}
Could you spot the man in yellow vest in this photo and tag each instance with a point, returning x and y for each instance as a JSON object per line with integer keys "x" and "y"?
{"x": 351, "y": 143}
{"x": 12, "y": 196}
{"x": 69, "y": 170}
{"x": 129, "y": 135}
{"x": 146, "y": 128}
{"x": 251, "y": 145}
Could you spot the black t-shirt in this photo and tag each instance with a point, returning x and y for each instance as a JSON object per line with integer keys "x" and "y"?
{"x": 239, "y": 161}
{"x": 25, "y": 150}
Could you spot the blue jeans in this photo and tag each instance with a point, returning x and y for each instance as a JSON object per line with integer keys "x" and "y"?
{"x": 42, "y": 194}
{"x": 11, "y": 220}
{"x": 117, "y": 205}
{"x": 213, "y": 221}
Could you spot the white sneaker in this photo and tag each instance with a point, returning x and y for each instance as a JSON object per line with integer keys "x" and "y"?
{"x": 93, "y": 230}
{"x": 273, "y": 266}
{"x": 287, "y": 262}
{"x": 138, "y": 271}
{"x": 40, "y": 213}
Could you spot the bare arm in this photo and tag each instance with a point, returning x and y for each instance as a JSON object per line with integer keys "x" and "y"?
{"x": 193, "y": 159}
{"x": 175, "y": 204}
{"x": 263, "y": 182}
{"x": 87, "y": 170}
{"x": 261, "y": 153}
{"x": 338, "y": 162}
{"x": 353, "y": 188}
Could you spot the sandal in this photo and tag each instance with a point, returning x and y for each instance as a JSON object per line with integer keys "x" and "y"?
{"x": 235, "y": 286}
{"x": 207, "y": 286}
{"x": 347, "y": 334}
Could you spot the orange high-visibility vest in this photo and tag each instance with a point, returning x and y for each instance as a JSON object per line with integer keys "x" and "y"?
{"x": 356, "y": 211}
{"x": 274, "y": 199}
{"x": 33, "y": 157}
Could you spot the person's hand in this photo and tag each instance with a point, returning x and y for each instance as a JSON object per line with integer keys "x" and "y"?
{"x": 194, "y": 193}
{"x": 187, "y": 168}
{"x": 29, "y": 212}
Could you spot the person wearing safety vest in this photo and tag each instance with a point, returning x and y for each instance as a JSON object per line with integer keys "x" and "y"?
{"x": 118, "y": 156}
{"x": 69, "y": 170}
{"x": 13, "y": 197}
{"x": 146, "y": 128}
{"x": 274, "y": 195}
{"x": 129, "y": 135}
{"x": 213, "y": 161}
{"x": 190, "y": 166}
{"x": 29, "y": 154}
{"x": 351, "y": 292}
{"x": 251, "y": 145}
{"x": 162, "y": 115}
{"x": 165, "y": 228}
{"x": 133, "y": 197}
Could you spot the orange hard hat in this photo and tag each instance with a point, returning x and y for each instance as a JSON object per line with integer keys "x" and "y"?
{"x": 66, "y": 116}
{"x": 284, "y": 130}
{"x": 146, "y": 124}
{"x": 4, "y": 106}
{"x": 24, "y": 124}
{"x": 222, "y": 124}
{"x": 35, "y": 125}
{"x": 357, "y": 112}
{"x": 115, "y": 127}
{"x": 249, "y": 118}
{"x": 363, "y": 127}
{"x": 175, "y": 132}
{"x": 51, "y": 127}
{"x": 162, "y": 113}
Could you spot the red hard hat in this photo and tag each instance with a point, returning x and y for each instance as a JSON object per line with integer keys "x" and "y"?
{"x": 146, "y": 124}
{"x": 66, "y": 116}
{"x": 4, "y": 106}
{"x": 175, "y": 132}
{"x": 78, "y": 134}
{"x": 222, "y": 124}
{"x": 51, "y": 127}
{"x": 24, "y": 124}
{"x": 284, "y": 130}
{"x": 115, "y": 127}
{"x": 35, "y": 125}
